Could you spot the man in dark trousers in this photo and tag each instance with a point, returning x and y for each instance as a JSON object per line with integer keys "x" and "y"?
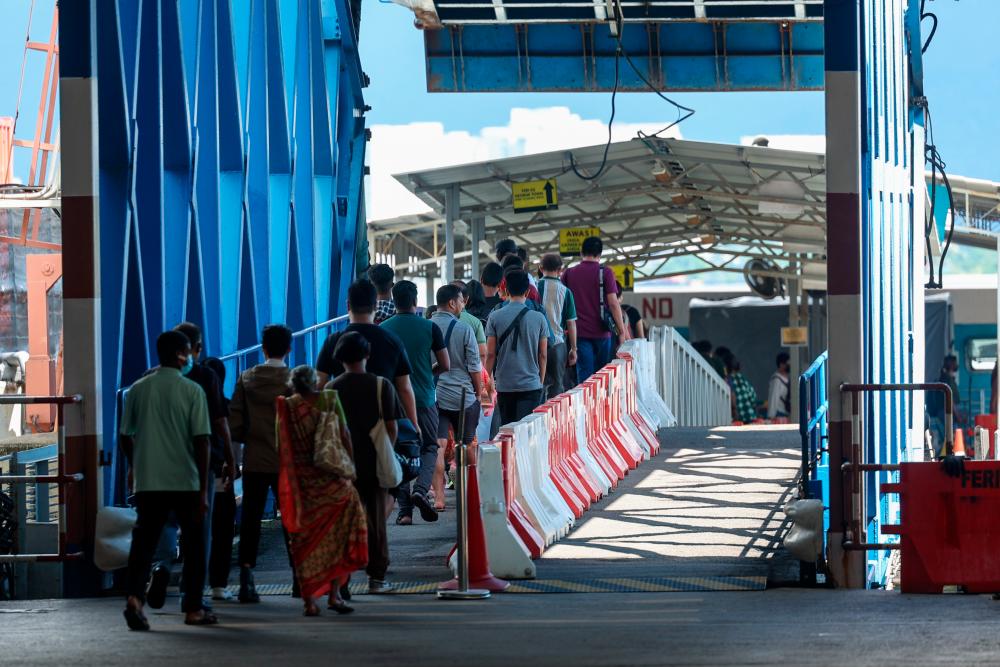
{"x": 516, "y": 352}
{"x": 252, "y": 415}
{"x": 165, "y": 437}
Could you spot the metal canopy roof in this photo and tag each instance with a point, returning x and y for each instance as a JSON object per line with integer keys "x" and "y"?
{"x": 539, "y": 11}
{"x": 655, "y": 201}
{"x": 572, "y": 45}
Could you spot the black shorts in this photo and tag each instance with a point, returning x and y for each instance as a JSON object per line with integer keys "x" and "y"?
{"x": 448, "y": 419}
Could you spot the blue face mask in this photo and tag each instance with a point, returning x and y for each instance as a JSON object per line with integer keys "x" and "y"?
{"x": 188, "y": 365}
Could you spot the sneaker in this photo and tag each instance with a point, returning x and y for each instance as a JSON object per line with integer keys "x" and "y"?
{"x": 222, "y": 594}
{"x": 248, "y": 592}
{"x": 427, "y": 511}
{"x": 379, "y": 587}
{"x": 156, "y": 592}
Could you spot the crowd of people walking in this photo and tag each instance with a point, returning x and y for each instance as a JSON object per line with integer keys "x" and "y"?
{"x": 314, "y": 437}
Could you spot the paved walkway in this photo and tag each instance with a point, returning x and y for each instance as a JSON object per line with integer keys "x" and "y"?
{"x": 708, "y": 506}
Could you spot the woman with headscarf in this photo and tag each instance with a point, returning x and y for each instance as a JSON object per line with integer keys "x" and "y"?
{"x": 321, "y": 510}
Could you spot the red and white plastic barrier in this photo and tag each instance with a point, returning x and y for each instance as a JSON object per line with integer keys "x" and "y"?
{"x": 545, "y": 471}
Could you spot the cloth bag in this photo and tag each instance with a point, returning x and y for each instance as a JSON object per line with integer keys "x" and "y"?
{"x": 329, "y": 452}
{"x": 387, "y": 468}
{"x": 113, "y": 537}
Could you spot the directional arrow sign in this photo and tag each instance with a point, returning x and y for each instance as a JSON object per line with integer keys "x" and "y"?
{"x": 530, "y": 196}
{"x": 625, "y": 274}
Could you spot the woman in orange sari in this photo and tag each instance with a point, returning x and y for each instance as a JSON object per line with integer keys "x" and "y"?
{"x": 322, "y": 511}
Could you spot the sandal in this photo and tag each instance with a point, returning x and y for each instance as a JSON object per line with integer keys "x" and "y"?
{"x": 206, "y": 618}
{"x": 340, "y": 607}
{"x": 311, "y": 610}
{"x": 404, "y": 520}
{"x": 135, "y": 619}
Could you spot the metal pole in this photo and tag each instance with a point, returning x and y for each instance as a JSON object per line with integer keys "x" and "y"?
{"x": 450, "y": 215}
{"x": 461, "y": 491}
{"x": 477, "y": 228}
{"x": 795, "y": 353}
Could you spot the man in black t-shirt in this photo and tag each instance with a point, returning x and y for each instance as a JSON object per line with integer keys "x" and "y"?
{"x": 388, "y": 356}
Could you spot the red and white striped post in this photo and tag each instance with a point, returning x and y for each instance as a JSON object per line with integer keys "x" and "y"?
{"x": 843, "y": 205}
{"x": 81, "y": 284}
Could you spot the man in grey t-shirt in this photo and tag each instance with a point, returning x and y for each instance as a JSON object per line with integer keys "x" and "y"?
{"x": 465, "y": 372}
{"x": 516, "y": 352}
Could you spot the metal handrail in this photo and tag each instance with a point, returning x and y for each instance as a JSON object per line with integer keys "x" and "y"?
{"x": 854, "y": 467}
{"x": 813, "y": 410}
{"x": 692, "y": 389}
{"x": 240, "y": 355}
{"x": 60, "y": 479}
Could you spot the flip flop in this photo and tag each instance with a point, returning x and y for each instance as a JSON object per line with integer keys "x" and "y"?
{"x": 135, "y": 619}
{"x": 340, "y": 608}
{"x": 207, "y": 618}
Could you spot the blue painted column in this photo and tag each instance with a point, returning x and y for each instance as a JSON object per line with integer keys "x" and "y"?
{"x": 875, "y": 216}
{"x": 213, "y": 158}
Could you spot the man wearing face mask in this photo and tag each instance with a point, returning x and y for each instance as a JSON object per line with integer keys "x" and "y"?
{"x": 222, "y": 463}
{"x": 164, "y": 437}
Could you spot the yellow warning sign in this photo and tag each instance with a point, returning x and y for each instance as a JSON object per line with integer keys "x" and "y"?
{"x": 624, "y": 274}
{"x": 535, "y": 195}
{"x": 794, "y": 336}
{"x": 571, "y": 238}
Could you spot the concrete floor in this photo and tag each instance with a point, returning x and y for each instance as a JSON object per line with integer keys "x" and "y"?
{"x": 776, "y": 627}
{"x": 709, "y": 505}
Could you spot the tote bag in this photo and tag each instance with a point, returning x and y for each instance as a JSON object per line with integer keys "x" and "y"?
{"x": 329, "y": 452}
{"x": 387, "y": 468}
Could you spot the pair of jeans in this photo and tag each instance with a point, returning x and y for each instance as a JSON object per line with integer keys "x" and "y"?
{"x": 375, "y": 499}
{"x": 255, "y": 488}
{"x": 221, "y": 552}
{"x": 153, "y": 509}
{"x": 428, "y": 422}
{"x": 516, "y": 405}
{"x": 555, "y": 366}
{"x": 591, "y": 355}
{"x": 166, "y": 547}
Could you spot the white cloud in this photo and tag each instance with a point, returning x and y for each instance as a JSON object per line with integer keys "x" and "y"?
{"x": 415, "y": 146}
{"x": 812, "y": 143}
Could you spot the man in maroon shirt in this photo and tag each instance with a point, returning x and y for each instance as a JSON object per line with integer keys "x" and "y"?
{"x": 595, "y": 304}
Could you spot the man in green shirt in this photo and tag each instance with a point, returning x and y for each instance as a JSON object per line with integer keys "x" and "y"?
{"x": 165, "y": 437}
{"x": 423, "y": 342}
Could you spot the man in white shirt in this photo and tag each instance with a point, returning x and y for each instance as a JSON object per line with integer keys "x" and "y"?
{"x": 779, "y": 389}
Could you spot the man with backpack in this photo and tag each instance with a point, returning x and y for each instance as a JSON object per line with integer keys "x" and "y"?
{"x": 465, "y": 372}
{"x": 598, "y": 311}
{"x": 516, "y": 352}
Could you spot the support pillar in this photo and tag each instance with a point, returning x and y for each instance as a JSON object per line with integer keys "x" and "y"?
{"x": 477, "y": 228}
{"x": 81, "y": 289}
{"x": 875, "y": 192}
{"x": 843, "y": 210}
{"x": 795, "y": 353}
{"x": 450, "y": 215}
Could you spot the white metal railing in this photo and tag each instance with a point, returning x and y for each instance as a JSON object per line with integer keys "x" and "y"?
{"x": 691, "y": 388}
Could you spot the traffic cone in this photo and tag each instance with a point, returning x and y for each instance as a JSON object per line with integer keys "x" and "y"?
{"x": 479, "y": 564}
{"x": 958, "y": 447}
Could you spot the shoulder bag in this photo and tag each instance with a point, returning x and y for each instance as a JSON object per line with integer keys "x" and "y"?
{"x": 387, "y": 468}
{"x": 606, "y": 318}
{"x": 329, "y": 452}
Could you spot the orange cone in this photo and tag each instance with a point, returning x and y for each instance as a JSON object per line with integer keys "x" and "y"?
{"x": 958, "y": 447}
{"x": 479, "y": 564}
